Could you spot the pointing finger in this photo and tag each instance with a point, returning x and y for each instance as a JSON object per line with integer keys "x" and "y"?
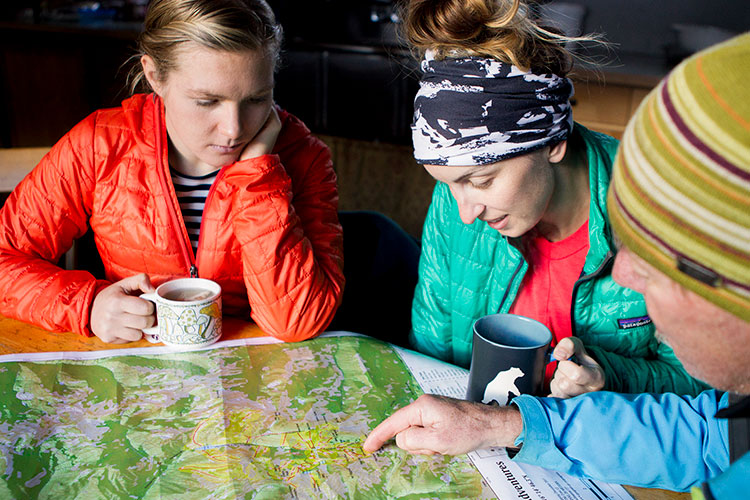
{"x": 401, "y": 420}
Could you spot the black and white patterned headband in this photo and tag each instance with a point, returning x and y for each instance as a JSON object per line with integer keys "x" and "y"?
{"x": 476, "y": 111}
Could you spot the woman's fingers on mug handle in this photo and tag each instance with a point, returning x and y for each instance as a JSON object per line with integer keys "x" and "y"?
{"x": 130, "y": 334}
{"x": 580, "y": 356}
{"x": 121, "y": 335}
{"x": 136, "y": 284}
{"x": 570, "y": 380}
{"x": 572, "y": 349}
{"x": 138, "y": 307}
{"x": 138, "y": 321}
{"x": 580, "y": 375}
{"x": 565, "y": 349}
{"x": 557, "y": 387}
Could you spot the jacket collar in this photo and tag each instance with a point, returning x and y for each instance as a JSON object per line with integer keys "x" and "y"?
{"x": 600, "y": 159}
{"x": 144, "y": 116}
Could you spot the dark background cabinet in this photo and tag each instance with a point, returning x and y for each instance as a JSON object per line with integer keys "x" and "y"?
{"x": 51, "y": 78}
{"x": 349, "y": 93}
{"x": 344, "y": 72}
{"x": 356, "y": 98}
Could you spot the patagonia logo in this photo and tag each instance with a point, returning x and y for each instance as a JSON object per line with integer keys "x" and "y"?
{"x": 634, "y": 322}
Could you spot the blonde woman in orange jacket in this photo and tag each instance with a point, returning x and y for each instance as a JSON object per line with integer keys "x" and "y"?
{"x": 266, "y": 227}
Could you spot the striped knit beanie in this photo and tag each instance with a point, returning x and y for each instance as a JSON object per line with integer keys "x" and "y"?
{"x": 680, "y": 192}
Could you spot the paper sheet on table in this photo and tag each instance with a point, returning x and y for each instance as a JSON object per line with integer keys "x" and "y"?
{"x": 508, "y": 479}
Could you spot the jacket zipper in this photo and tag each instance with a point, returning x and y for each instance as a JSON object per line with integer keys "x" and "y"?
{"x": 608, "y": 258}
{"x": 205, "y": 206}
{"x": 510, "y": 284}
{"x": 187, "y": 249}
{"x": 521, "y": 262}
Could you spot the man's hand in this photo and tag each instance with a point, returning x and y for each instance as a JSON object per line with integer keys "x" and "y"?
{"x": 571, "y": 378}
{"x": 265, "y": 139}
{"x": 118, "y": 315}
{"x": 438, "y": 424}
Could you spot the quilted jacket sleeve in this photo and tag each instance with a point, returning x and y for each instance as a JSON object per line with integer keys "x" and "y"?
{"x": 38, "y": 223}
{"x": 291, "y": 240}
{"x": 431, "y": 311}
{"x": 661, "y": 372}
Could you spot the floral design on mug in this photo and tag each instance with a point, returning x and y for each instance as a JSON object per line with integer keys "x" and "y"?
{"x": 187, "y": 326}
{"x": 191, "y": 323}
{"x": 213, "y": 312}
{"x": 170, "y": 316}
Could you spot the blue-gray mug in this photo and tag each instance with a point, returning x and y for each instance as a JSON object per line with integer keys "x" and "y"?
{"x": 508, "y": 358}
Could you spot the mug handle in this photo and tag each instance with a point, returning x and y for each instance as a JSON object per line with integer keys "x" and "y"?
{"x": 151, "y": 334}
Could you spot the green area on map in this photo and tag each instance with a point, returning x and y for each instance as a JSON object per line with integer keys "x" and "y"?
{"x": 251, "y": 422}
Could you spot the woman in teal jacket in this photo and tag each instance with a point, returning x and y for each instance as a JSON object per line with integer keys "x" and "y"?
{"x": 518, "y": 219}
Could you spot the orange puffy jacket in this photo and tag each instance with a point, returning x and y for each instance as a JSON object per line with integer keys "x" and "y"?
{"x": 270, "y": 234}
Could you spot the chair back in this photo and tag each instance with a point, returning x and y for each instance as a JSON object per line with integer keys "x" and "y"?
{"x": 16, "y": 163}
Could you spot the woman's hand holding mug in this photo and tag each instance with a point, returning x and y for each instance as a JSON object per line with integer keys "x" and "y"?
{"x": 575, "y": 377}
{"x": 118, "y": 315}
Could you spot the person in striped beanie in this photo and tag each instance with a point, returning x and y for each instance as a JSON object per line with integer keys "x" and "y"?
{"x": 680, "y": 194}
{"x": 679, "y": 204}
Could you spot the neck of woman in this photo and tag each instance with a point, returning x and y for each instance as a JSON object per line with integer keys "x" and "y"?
{"x": 181, "y": 164}
{"x": 569, "y": 206}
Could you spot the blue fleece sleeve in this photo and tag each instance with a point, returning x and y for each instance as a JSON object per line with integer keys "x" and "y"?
{"x": 650, "y": 440}
{"x": 733, "y": 483}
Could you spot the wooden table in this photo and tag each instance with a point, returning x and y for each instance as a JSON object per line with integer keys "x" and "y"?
{"x": 19, "y": 337}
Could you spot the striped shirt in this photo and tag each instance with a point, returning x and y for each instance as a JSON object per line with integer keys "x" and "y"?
{"x": 191, "y": 193}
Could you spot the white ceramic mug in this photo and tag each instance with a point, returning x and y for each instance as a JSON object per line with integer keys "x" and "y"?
{"x": 188, "y": 313}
